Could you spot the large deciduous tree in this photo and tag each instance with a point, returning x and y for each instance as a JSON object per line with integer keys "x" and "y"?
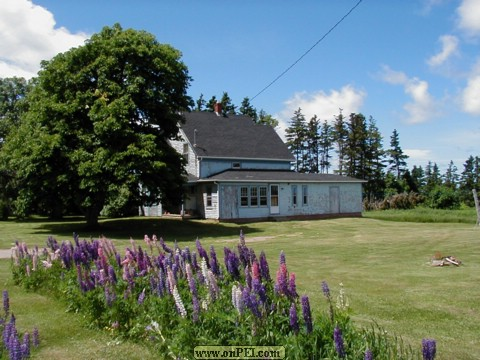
{"x": 99, "y": 120}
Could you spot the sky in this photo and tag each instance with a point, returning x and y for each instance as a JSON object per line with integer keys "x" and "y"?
{"x": 411, "y": 65}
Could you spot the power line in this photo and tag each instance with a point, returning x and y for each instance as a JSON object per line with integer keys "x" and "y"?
{"x": 311, "y": 48}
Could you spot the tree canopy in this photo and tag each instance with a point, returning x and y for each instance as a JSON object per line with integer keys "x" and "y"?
{"x": 98, "y": 124}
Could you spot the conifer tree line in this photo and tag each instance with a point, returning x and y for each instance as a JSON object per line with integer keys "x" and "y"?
{"x": 353, "y": 146}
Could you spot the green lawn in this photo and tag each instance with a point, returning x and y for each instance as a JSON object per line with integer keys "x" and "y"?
{"x": 383, "y": 265}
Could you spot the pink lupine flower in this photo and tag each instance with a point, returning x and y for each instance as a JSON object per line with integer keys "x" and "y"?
{"x": 281, "y": 286}
{"x": 255, "y": 271}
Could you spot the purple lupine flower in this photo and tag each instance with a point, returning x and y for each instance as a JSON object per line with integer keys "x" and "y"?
{"x": 368, "y": 355}
{"x": 196, "y": 308}
{"x": 248, "y": 277}
{"x": 292, "y": 286}
{"x": 201, "y": 251}
{"x": 243, "y": 254}
{"x": 141, "y": 297}
{"x": 242, "y": 238}
{"x": 110, "y": 296}
{"x": 25, "y": 347}
{"x": 338, "y": 339}
{"x": 35, "y": 337}
{"x": 191, "y": 279}
{"x": 294, "y": 318}
{"x": 194, "y": 260}
{"x": 429, "y": 349}
{"x": 250, "y": 301}
{"x": 282, "y": 258}
{"x": 118, "y": 259}
{"x": 232, "y": 263}
{"x": 15, "y": 348}
{"x": 213, "y": 261}
{"x": 187, "y": 256}
{"x": 260, "y": 290}
{"x": 6, "y": 302}
{"x": 264, "y": 269}
{"x": 112, "y": 277}
{"x": 307, "y": 314}
{"x": 326, "y": 290}
{"x": 164, "y": 246}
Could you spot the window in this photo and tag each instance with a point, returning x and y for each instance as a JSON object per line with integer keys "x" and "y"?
{"x": 236, "y": 165}
{"x": 294, "y": 195}
{"x": 304, "y": 195}
{"x": 253, "y": 196}
{"x": 263, "y": 195}
{"x": 244, "y": 196}
{"x": 185, "y": 151}
{"x": 209, "y": 196}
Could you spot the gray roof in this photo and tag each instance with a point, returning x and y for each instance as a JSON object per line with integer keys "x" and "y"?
{"x": 233, "y": 136}
{"x": 278, "y": 176}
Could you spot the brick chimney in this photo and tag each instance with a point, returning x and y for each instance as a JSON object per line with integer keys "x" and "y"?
{"x": 218, "y": 109}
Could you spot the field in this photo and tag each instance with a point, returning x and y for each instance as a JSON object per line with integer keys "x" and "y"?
{"x": 383, "y": 265}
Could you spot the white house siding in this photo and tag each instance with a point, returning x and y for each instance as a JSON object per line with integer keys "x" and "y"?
{"x": 178, "y": 145}
{"x": 319, "y": 200}
{"x": 214, "y": 166}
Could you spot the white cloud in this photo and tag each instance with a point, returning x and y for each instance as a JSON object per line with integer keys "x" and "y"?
{"x": 449, "y": 48}
{"x": 469, "y": 16}
{"x": 324, "y": 105}
{"x": 418, "y": 156}
{"x": 469, "y": 97}
{"x": 28, "y": 35}
{"x": 423, "y": 106}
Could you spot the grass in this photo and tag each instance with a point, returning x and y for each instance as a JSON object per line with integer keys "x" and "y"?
{"x": 383, "y": 266}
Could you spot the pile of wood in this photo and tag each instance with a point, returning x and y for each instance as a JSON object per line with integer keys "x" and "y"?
{"x": 439, "y": 260}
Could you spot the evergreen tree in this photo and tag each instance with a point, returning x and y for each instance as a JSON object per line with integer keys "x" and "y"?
{"x": 450, "y": 179}
{"x": 326, "y": 142}
{"x": 418, "y": 179}
{"x": 397, "y": 159}
{"x": 227, "y": 106}
{"x": 247, "y": 109}
{"x": 356, "y": 145}
{"x": 340, "y": 138}
{"x": 469, "y": 179}
{"x": 374, "y": 169}
{"x": 313, "y": 145}
{"x": 200, "y": 103}
{"x": 210, "y": 106}
{"x": 295, "y": 135}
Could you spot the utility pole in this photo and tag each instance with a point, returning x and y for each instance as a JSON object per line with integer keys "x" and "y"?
{"x": 477, "y": 206}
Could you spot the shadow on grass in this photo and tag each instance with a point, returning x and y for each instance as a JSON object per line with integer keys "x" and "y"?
{"x": 136, "y": 228}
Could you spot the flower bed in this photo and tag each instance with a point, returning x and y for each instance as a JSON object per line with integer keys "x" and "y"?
{"x": 176, "y": 299}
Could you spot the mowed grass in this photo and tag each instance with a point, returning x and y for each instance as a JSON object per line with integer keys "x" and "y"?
{"x": 383, "y": 265}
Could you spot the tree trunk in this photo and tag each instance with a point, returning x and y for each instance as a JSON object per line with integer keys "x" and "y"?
{"x": 91, "y": 216}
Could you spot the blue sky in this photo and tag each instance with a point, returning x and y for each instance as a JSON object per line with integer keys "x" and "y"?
{"x": 413, "y": 65}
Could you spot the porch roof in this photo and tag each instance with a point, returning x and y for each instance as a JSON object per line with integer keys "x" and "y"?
{"x": 272, "y": 176}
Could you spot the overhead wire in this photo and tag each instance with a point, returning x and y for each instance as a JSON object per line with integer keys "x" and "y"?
{"x": 306, "y": 52}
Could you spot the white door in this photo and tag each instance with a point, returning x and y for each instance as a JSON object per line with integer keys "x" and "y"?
{"x": 334, "y": 200}
{"x": 274, "y": 205}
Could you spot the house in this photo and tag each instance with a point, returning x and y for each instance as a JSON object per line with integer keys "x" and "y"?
{"x": 241, "y": 171}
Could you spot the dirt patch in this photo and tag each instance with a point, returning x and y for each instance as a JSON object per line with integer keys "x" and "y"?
{"x": 5, "y": 253}
{"x": 250, "y": 239}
